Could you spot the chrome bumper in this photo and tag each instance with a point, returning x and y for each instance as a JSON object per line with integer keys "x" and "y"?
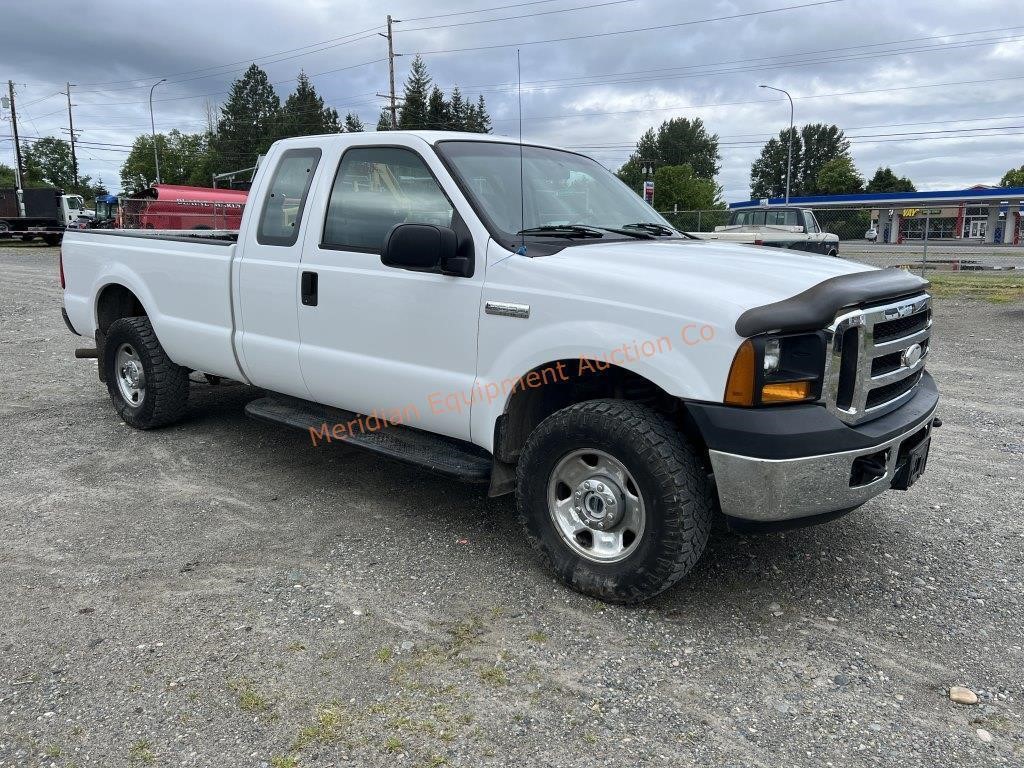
{"x": 770, "y": 490}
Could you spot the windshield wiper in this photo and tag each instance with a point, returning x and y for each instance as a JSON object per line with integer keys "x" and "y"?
{"x": 562, "y": 230}
{"x": 653, "y": 227}
{"x": 640, "y": 235}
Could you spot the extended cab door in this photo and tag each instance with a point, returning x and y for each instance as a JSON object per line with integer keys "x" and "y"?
{"x": 268, "y": 273}
{"x": 378, "y": 339}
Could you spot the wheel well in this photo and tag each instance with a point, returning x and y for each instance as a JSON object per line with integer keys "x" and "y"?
{"x": 116, "y": 301}
{"x": 561, "y": 383}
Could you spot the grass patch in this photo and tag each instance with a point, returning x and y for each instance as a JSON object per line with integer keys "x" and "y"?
{"x": 249, "y": 699}
{"x": 994, "y": 288}
{"x": 284, "y": 761}
{"x": 384, "y": 655}
{"x": 393, "y": 745}
{"x": 538, "y": 637}
{"x": 331, "y": 726}
{"x": 494, "y": 676}
{"x": 142, "y": 752}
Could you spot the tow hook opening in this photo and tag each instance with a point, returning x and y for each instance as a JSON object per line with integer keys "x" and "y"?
{"x": 867, "y": 469}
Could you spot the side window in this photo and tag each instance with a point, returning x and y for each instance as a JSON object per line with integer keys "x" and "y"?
{"x": 376, "y": 188}
{"x": 286, "y": 197}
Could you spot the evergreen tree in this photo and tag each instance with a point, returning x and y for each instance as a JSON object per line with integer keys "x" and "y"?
{"x": 384, "y": 121}
{"x": 248, "y": 122}
{"x": 353, "y": 124}
{"x": 482, "y": 120}
{"x": 413, "y": 115}
{"x": 305, "y": 114}
{"x": 457, "y": 110}
{"x": 438, "y": 116}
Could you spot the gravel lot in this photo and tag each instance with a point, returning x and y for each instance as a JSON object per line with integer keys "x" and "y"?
{"x": 221, "y": 593}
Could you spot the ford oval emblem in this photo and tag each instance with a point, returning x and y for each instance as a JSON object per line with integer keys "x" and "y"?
{"x": 911, "y": 355}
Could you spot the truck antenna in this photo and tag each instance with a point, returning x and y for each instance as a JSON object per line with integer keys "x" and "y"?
{"x": 522, "y": 189}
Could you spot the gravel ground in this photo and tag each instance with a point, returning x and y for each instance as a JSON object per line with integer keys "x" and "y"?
{"x": 221, "y": 593}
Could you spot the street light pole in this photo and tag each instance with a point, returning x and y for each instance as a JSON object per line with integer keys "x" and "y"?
{"x": 152, "y": 128}
{"x": 789, "y": 154}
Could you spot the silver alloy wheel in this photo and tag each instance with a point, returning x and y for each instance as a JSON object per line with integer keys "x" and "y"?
{"x": 131, "y": 377}
{"x": 596, "y": 506}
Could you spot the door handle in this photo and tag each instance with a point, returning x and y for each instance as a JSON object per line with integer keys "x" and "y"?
{"x": 309, "y": 289}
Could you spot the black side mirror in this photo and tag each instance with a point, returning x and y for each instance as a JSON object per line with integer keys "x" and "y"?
{"x": 426, "y": 248}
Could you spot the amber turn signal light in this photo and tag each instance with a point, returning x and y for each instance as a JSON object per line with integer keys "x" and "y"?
{"x": 786, "y": 392}
{"x": 739, "y": 389}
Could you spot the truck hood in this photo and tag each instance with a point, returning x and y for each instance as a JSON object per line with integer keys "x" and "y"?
{"x": 695, "y": 278}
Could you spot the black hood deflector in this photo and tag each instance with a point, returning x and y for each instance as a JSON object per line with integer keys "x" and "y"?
{"x": 818, "y": 306}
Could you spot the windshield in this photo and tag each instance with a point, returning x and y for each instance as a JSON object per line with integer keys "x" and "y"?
{"x": 561, "y": 188}
{"x": 75, "y": 203}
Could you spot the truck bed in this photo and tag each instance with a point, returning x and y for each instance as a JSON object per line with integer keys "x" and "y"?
{"x": 183, "y": 280}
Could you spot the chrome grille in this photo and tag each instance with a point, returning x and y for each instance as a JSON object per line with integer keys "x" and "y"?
{"x": 866, "y": 372}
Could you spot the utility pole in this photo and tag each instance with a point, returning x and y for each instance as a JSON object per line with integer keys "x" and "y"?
{"x": 71, "y": 134}
{"x": 391, "y": 72}
{"x": 17, "y": 143}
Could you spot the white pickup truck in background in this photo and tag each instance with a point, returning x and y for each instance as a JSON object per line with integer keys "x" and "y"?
{"x": 515, "y": 315}
{"x": 779, "y": 227}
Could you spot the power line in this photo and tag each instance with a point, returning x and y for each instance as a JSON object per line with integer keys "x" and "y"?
{"x": 520, "y": 16}
{"x": 628, "y": 77}
{"x": 253, "y": 60}
{"x": 658, "y": 27}
{"x": 481, "y": 10}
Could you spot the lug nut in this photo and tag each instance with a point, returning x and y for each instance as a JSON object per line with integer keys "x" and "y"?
{"x": 600, "y": 487}
{"x": 586, "y": 485}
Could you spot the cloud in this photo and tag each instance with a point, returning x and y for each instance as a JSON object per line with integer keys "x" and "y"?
{"x": 846, "y": 48}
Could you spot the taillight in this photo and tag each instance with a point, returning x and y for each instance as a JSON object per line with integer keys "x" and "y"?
{"x": 60, "y": 261}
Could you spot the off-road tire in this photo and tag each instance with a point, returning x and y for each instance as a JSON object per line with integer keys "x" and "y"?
{"x": 166, "y": 393}
{"x": 678, "y": 497}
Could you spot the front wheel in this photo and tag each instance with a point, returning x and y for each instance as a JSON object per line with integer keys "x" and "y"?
{"x": 615, "y": 499}
{"x": 147, "y": 389}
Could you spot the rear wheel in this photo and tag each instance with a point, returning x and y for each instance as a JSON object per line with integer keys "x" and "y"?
{"x": 615, "y": 499}
{"x": 147, "y": 389}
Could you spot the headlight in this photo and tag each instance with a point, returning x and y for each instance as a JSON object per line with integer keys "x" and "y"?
{"x": 772, "y": 356}
{"x": 779, "y": 369}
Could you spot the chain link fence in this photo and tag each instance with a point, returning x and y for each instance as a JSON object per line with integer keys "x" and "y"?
{"x": 979, "y": 238}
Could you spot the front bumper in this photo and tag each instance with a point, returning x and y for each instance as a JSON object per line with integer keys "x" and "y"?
{"x": 788, "y": 463}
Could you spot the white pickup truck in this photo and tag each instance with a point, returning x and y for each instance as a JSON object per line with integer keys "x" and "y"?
{"x": 778, "y": 227}
{"x": 514, "y": 315}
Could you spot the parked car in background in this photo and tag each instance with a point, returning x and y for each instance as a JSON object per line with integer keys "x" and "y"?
{"x": 397, "y": 292}
{"x": 872, "y": 234}
{"x": 780, "y": 227}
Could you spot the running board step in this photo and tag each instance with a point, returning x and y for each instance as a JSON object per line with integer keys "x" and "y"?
{"x": 444, "y": 455}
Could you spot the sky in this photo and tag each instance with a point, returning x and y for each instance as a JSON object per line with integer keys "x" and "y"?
{"x": 934, "y": 90}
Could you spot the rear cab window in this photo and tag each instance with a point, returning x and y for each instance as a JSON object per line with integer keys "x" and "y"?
{"x": 285, "y": 197}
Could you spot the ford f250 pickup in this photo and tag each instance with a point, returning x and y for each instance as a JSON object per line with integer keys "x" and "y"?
{"x": 512, "y": 314}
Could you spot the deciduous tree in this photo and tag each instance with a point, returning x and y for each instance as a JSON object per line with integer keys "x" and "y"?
{"x": 885, "y": 180}
{"x": 839, "y": 176}
{"x": 679, "y": 141}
